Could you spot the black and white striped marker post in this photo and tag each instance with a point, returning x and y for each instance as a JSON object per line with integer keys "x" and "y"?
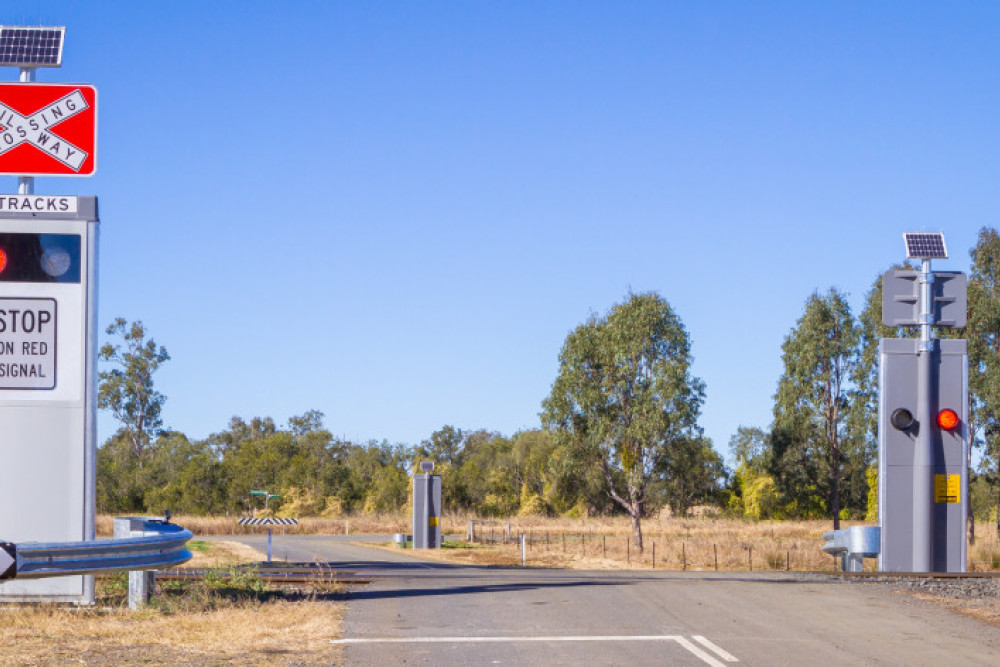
{"x": 269, "y": 521}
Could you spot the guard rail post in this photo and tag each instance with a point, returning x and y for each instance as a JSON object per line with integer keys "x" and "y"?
{"x": 853, "y": 545}
{"x": 141, "y": 583}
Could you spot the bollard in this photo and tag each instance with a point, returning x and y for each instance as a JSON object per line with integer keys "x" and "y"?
{"x": 524, "y": 554}
{"x": 141, "y": 583}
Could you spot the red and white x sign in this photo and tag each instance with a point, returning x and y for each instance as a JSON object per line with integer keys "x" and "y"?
{"x": 48, "y": 130}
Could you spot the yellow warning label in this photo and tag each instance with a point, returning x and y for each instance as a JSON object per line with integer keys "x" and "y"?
{"x": 947, "y": 488}
{"x": 434, "y": 520}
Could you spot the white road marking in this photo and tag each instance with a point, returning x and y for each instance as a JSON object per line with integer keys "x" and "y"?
{"x": 682, "y": 641}
{"x": 694, "y": 650}
{"x": 725, "y": 655}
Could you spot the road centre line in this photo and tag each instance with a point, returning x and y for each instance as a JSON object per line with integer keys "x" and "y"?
{"x": 680, "y": 640}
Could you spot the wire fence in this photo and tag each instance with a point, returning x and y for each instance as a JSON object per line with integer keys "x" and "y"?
{"x": 658, "y": 552}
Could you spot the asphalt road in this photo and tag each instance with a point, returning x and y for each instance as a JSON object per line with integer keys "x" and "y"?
{"x": 423, "y": 612}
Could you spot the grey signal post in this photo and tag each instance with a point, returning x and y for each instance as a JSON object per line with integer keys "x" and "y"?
{"x": 427, "y": 509}
{"x": 48, "y": 384}
{"x": 923, "y": 471}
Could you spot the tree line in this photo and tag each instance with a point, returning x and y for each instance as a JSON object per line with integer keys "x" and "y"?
{"x": 620, "y": 429}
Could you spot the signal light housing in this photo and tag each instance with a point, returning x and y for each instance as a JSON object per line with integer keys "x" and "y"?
{"x": 901, "y": 419}
{"x": 947, "y": 419}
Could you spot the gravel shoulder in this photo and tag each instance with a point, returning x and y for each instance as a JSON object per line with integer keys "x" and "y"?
{"x": 976, "y": 597}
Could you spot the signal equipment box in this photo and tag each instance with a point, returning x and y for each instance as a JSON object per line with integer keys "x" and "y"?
{"x": 427, "y": 511}
{"x": 898, "y": 429}
{"x": 48, "y": 388}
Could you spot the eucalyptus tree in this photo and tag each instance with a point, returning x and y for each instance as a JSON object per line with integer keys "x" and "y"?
{"x": 691, "y": 473}
{"x": 127, "y": 388}
{"x": 983, "y": 334}
{"x": 625, "y": 397}
{"x": 811, "y": 405}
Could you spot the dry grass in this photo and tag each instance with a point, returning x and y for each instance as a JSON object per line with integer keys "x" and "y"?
{"x": 220, "y": 554}
{"x": 669, "y": 543}
{"x": 701, "y": 543}
{"x": 274, "y": 633}
{"x": 185, "y": 625}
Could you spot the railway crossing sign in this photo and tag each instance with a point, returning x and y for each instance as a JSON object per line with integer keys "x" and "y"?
{"x": 48, "y": 311}
{"x": 48, "y": 130}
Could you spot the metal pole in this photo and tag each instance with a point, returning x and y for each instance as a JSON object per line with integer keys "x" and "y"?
{"x": 26, "y": 184}
{"x": 90, "y": 416}
{"x": 524, "y": 553}
{"x": 427, "y": 512}
{"x": 268, "y": 545}
{"x": 923, "y": 455}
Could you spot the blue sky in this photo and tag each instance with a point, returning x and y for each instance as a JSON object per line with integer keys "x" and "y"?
{"x": 395, "y": 212}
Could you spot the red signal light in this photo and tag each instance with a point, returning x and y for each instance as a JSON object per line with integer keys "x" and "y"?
{"x": 947, "y": 419}
{"x": 3, "y": 260}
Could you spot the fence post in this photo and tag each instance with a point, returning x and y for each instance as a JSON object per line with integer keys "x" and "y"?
{"x": 470, "y": 532}
{"x": 684, "y": 562}
{"x": 507, "y": 538}
{"x": 604, "y": 546}
{"x": 628, "y": 550}
{"x": 715, "y": 550}
{"x": 654, "y": 554}
{"x": 524, "y": 554}
{"x": 751, "y": 557}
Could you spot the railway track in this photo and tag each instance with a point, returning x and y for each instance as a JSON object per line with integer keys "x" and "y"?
{"x": 292, "y": 573}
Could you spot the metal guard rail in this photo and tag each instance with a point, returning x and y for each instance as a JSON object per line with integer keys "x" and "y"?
{"x": 166, "y": 547}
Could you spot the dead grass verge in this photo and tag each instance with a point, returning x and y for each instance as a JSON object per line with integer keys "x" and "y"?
{"x": 235, "y": 620}
{"x": 271, "y": 633}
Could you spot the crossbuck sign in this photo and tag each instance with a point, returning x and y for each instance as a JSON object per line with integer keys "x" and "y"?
{"x": 48, "y": 130}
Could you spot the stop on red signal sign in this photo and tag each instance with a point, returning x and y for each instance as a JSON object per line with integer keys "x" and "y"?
{"x": 48, "y": 130}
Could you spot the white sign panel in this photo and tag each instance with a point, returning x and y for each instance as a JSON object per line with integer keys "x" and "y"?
{"x": 27, "y": 343}
{"x": 39, "y": 203}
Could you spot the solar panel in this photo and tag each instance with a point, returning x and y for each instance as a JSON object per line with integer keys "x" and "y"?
{"x": 22, "y": 46}
{"x": 925, "y": 246}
